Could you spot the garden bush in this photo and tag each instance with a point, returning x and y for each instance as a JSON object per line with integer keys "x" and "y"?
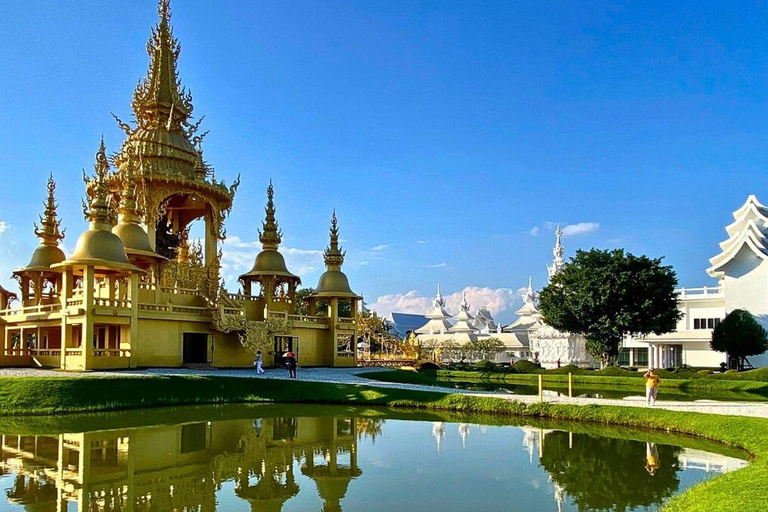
{"x": 524, "y": 366}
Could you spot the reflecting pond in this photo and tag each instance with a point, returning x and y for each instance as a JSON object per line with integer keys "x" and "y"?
{"x": 272, "y": 457}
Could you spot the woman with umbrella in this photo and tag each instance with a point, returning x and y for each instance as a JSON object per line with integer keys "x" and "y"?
{"x": 290, "y": 362}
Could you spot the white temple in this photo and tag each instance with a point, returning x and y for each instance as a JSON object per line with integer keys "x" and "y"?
{"x": 741, "y": 268}
{"x": 464, "y": 321}
{"x": 438, "y": 317}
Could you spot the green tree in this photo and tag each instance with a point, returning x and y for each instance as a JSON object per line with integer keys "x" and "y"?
{"x": 606, "y": 295}
{"x": 483, "y": 348}
{"x": 739, "y": 335}
{"x": 619, "y": 482}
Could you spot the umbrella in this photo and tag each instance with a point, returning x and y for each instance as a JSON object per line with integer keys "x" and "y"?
{"x": 288, "y": 354}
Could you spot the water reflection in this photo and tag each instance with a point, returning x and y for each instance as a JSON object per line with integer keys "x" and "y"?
{"x": 296, "y": 463}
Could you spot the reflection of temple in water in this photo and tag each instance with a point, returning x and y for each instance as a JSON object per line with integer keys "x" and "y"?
{"x": 181, "y": 467}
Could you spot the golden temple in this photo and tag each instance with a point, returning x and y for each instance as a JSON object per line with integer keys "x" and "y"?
{"x": 137, "y": 291}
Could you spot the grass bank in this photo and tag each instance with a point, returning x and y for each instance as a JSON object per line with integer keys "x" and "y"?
{"x": 743, "y": 490}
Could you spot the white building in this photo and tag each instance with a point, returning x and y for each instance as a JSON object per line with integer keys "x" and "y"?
{"x": 741, "y": 268}
{"x": 440, "y": 331}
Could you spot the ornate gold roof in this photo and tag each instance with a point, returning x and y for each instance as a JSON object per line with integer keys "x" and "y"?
{"x": 333, "y": 282}
{"x": 269, "y": 262}
{"x": 50, "y": 234}
{"x": 98, "y": 246}
{"x": 167, "y": 151}
{"x": 134, "y": 238}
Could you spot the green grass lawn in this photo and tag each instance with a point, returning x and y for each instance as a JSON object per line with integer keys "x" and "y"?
{"x": 742, "y": 490}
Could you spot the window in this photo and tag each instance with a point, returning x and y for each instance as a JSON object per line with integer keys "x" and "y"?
{"x": 624, "y": 357}
{"x": 641, "y": 357}
{"x": 705, "y": 323}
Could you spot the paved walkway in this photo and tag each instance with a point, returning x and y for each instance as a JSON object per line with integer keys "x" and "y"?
{"x": 355, "y": 376}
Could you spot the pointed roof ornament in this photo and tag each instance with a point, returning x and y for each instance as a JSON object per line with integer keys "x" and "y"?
{"x": 333, "y": 255}
{"x": 558, "y": 263}
{"x": 439, "y": 300}
{"x": 98, "y": 200}
{"x": 270, "y": 235}
{"x": 159, "y": 99}
{"x": 464, "y": 306}
{"x": 49, "y": 234}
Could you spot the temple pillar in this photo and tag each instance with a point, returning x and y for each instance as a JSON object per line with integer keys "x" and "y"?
{"x": 211, "y": 238}
{"x": 133, "y": 296}
{"x": 89, "y": 282}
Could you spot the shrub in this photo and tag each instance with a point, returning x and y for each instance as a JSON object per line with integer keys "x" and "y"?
{"x": 570, "y": 368}
{"x": 524, "y": 366}
{"x": 615, "y": 371}
{"x": 485, "y": 365}
{"x": 427, "y": 365}
{"x": 731, "y": 372}
{"x": 704, "y": 372}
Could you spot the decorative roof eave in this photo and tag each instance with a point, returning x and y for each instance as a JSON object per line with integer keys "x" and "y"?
{"x": 434, "y": 326}
{"x": 751, "y": 213}
{"x": 438, "y": 313}
{"x": 751, "y": 204}
{"x": 749, "y": 230}
{"x": 747, "y": 238}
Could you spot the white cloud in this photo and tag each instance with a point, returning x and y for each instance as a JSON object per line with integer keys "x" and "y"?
{"x": 361, "y": 263}
{"x": 497, "y": 300}
{"x": 421, "y": 241}
{"x": 4, "y": 226}
{"x": 238, "y": 256}
{"x": 436, "y": 265}
{"x": 582, "y": 228}
{"x": 380, "y": 247}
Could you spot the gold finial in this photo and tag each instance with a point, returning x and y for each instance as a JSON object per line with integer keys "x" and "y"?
{"x": 129, "y": 210}
{"x": 270, "y": 235}
{"x": 50, "y": 235}
{"x": 98, "y": 205}
{"x": 334, "y": 257}
{"x": 159, "y": 99}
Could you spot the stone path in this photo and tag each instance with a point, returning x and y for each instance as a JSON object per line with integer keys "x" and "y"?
{"x": 355, "y": 376}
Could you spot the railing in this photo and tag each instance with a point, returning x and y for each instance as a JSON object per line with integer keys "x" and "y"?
{"x": 43, "y": 308}
{"x": 386, "y": 362}
{"x": 45, "y": 352}
{"x": 154, "y": 307}
{"x": 238, "y": 296}
{"x": 347, "y": 321}
{"x": 232, "y": 311}
{"x": 147, "y": 286}
{"x": 74, "y": 352}
{"x": 282, "y": 300}
{"x": 74, "y": 302}
{"x": 305, "y": 318}
{"x": 180, "y": 291}
{"x": 170, "y": 308}
{"x": 111, "y": 352}
{"x": 111, "y": 303}
{"x": 704, "y": 291}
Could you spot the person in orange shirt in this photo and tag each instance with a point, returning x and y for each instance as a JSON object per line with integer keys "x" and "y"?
{"x": 652, "y": 461}
{"x": 651, "y": 387}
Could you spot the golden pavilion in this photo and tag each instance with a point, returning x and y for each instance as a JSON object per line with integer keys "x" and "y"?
{"x": 137, "y": 291}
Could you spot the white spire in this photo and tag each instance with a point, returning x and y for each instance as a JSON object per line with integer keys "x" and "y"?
{"x": 438, "y": 432}
{"x": 464, "y": 321}
{"x": 463, "y": 433}
{"x": 558, "y": 263}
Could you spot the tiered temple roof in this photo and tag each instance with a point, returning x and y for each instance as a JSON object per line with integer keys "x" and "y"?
{"x": 463, "y": 318}
{"x": 748, "y": 231}
{"x": 438, "y": 317}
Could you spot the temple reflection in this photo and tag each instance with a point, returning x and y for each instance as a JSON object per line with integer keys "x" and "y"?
{"x": 181, "y": 467}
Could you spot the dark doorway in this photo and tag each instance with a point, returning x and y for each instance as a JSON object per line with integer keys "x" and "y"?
{"x": 285, "y": 344}
{"x": 195, "y": 348}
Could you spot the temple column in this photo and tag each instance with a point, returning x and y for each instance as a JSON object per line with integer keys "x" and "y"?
{"x": 211, "y": 238}
{"x": 89, "y": 281}
{"x": 66, "y": 333}
{"x": 133, "y": 296}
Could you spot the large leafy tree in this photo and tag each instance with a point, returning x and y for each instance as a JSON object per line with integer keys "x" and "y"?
{"x": 606, "y": 295}
{"x": 739, "y": 335}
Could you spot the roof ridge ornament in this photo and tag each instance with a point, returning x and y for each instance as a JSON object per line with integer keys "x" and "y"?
{"x": 97, "y": 210}
{"x": 270, "y": 235}
{"x": 333, "y": 255}
{"x": 50, "y": 234}
{"x": 159, "y": 98}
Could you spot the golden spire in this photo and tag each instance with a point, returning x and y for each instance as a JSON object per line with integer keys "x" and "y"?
{"x": 50, "y": 235}
{"x": 271, "y": 236}
{"x": 334, "y": 257}
{"x": 128, "y": 209}
{"x": 98, "y": 206}
{"x": 159, "y": 99}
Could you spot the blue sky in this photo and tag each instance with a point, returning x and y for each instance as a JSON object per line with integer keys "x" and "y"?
{"x": 444, "y": 133}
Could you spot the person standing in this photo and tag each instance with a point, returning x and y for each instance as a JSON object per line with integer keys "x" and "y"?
{"x": 258, "y": 363}
{"x": 290, "y": 361}
{"x": 652, "y": 461}
{"x": 651, "y": 387}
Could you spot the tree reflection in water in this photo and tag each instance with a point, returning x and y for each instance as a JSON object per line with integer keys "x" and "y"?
{"x": 619, "y": 481}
